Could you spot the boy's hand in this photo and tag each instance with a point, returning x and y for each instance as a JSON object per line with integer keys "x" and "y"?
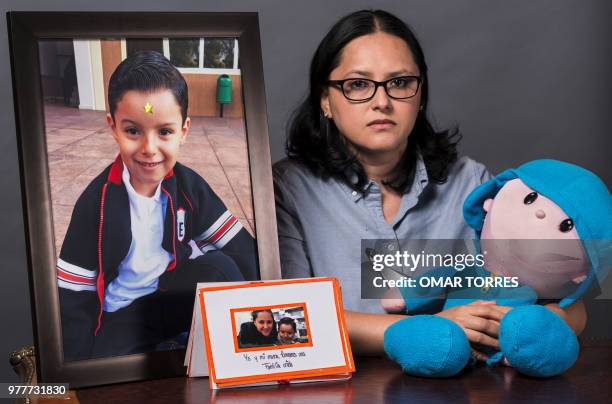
{"x": 480, "y": 322}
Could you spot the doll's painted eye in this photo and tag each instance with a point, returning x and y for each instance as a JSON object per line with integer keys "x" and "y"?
{"x": 566, "y": 225}
{"x": 529, "y": 199}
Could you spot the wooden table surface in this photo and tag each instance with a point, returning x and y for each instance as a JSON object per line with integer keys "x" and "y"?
{"x": 379, "y": 380}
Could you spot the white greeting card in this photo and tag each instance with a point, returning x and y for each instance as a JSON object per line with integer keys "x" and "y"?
{"x": 269, "y": 332}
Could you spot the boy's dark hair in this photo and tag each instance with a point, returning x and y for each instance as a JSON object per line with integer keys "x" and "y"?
{"x": 316, "y": 142}
{"x": 288, "y": 321}
{"x": 147, "y": 71}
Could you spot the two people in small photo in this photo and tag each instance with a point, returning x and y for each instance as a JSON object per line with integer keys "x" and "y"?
{"x": 147, "y": 229}
{"x": 264, "y": 330}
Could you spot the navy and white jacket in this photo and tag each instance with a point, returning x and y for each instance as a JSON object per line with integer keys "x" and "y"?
{"x": 99, "y": 237}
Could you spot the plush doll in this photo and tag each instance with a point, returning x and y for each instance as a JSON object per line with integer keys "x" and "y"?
{"x": 549, "y": 225}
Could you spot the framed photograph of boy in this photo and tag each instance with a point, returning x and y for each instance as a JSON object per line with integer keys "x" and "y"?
{"x": 145, "y": 169}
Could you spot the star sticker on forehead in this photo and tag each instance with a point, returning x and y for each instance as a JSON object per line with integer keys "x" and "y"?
{"x": 148, "y": 108}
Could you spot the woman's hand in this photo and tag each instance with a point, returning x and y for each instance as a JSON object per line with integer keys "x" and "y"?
{"x": 480, "y": 322}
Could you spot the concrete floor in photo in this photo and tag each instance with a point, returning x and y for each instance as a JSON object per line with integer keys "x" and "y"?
{"x": 80, "y": 146}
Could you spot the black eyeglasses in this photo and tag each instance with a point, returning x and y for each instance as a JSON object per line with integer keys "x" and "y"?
{"x": 398, "y": 88}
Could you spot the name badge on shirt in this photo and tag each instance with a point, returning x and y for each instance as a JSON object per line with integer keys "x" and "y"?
{"x": 180, "y": 223}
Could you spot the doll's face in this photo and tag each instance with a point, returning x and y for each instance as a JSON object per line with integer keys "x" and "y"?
{"x": 527, "y": 235}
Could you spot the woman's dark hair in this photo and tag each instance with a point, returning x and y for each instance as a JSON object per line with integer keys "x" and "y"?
{"x": 255, "y": 313}
{"x": 315, "y": 141}
{"x": 287, "y": 321}
{"x": 147, "y": 71}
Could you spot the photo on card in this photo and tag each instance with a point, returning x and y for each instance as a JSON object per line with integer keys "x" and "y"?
{"x": 270, "y": 327}
{"x": 140, "y": 180}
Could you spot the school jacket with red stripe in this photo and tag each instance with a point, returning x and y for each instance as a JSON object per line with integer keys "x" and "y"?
{"x": 99, "y": 237}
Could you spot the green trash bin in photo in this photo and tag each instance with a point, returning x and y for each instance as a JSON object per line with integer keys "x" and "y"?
{"x": 224, "y": 91}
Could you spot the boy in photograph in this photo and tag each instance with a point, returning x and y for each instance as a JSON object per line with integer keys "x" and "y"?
{"x": 147, "y": 229}
{"x": 286, "y": 331}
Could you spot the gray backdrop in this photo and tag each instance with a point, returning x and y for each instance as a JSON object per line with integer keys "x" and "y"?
{"x": 522, "y": 79}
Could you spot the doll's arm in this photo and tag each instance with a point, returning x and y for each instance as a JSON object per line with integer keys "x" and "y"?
{"x": 424, "y": 345}
{"x": 574, "y": 315}
{"x": 439, "y": 346}
{"x": 536, "y": 340}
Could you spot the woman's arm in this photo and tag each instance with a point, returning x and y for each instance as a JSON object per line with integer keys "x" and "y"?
{"x": 574, "y": 315}
{"x": 479, "y": 320}
{"x": 367, "y": 330}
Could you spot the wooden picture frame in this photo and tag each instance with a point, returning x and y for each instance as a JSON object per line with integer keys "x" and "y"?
{"x": 26, "y": 29}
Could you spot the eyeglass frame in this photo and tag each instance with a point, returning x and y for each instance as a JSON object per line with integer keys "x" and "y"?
{"x": 340, "y": 84}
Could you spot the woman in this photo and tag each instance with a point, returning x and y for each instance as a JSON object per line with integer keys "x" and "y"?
{"x": 365, "y": 163}
{"x": 261, "y": 331}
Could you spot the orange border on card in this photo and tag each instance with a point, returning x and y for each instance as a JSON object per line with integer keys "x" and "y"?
{"x": 270, "y": 347}
{"x": 322, "y": 374}
{"x": 211, "y": 366}
{"x": 317, "y": 372}
{"x": 342, "y": 321}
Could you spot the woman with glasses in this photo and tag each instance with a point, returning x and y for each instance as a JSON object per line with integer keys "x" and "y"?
{"x": 365, "y": 163}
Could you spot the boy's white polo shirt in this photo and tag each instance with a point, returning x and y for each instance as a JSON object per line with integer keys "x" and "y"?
{"x": 146, "y": 260}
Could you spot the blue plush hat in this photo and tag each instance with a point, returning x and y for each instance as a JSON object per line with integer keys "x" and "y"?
{"x": 579, "y": 192}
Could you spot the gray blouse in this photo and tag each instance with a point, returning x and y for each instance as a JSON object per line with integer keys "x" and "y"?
{"x": 321, "y": 223}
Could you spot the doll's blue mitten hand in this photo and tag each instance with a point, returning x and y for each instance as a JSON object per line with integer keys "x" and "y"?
{"x": 428, "y": 346}
{"x": 537, "y": 342}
